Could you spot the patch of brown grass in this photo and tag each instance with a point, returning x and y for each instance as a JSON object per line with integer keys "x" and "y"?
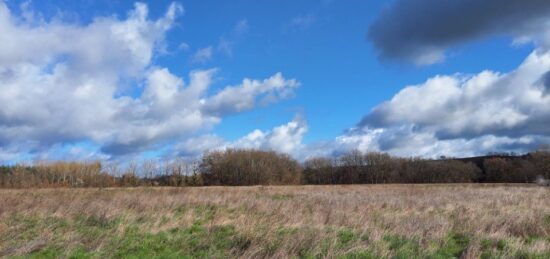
{"x": 518, "y": 214}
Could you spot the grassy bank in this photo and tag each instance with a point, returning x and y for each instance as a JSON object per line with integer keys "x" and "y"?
{"x": 359, "y": 221}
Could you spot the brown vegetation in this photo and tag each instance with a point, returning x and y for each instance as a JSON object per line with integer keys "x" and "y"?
{"x": 374, "y": 168}
{"x": 254, "y": 167}
{"x": 356, "y": 221}
{"x": 249, "y": 167}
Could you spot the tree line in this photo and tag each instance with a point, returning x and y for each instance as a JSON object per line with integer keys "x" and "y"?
{"x": 235, "y": 167}
{"x": 374, "y": 168}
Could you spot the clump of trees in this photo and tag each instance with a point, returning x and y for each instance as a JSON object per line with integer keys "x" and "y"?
{"x": 517, "y": 169}
{"x": 96, "y": 174}
{"x": 371, "y": 168}
{"x": 255, "y": 167}
{"x": 249, "y": 167}
{"x": 374, "y": 168}
{"x": 55, "y": 174}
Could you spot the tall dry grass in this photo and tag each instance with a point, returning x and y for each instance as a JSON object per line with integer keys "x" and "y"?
{"x": 311, "y": 215}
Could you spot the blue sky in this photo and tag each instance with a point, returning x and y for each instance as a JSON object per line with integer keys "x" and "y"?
{"x": 341, "y": 76}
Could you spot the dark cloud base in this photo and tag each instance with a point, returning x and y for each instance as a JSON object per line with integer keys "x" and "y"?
{"x": 411, "y": 29}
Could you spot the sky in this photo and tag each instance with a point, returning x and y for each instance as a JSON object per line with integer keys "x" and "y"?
{"x": 125, "y": 80}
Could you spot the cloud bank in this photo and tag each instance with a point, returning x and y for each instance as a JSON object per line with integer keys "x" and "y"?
{"x": 457, "y": 115}
{"x": 94, "y": 90}
{"x": 461, "y": 115}
{"x": 421, "y": 30}
{"x": 96, "y": 84}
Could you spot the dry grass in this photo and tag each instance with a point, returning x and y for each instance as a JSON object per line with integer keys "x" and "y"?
{"x": 441, "y": 221}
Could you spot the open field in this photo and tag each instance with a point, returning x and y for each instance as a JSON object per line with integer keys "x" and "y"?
{"x": 355, "y": 221}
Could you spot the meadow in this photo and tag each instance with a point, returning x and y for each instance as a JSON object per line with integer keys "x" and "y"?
{"x": 338, "y": 221}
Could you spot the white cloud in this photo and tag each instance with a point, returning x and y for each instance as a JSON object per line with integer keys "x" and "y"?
{"x": 462, "y": 114}
{"x": 63, "y": 83}
{"x": 285, "y": 138}
{"x": 407, "y": 141}
{"x": 194, "y": 147}
{"x": 487, "y": 103}
{"x": 245, "y": 96}
{"x": 203, "y": 55}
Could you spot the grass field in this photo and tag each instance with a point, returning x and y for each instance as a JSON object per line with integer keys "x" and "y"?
{"x": 360, "y": 221}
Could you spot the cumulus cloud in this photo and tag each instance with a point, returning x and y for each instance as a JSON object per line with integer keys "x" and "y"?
{"x": 286, "y": 138}
{"x": 407, "y": 141}
{"x": 461, "y": 114}
{"x": 63, "y": 83}
{"x": 452, "y": 115}
{"x": 243, "y": 97}
{"x": 92, "y": 90}
{"x": 105, "y": 44}
{"x": 509, "y": 104}
{"x": 421, "y": 30}
{"x": 196, "y": 146}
